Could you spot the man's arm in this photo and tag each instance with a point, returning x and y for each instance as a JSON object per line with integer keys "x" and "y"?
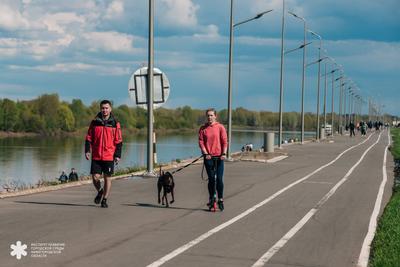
{"x": 88, "y": 141}
{"x": 118, "y": 143}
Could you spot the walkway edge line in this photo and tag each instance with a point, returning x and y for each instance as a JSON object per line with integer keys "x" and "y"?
{"x": 366, "y": 246}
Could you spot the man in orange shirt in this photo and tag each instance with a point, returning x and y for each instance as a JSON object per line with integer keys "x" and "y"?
{"x": 104, "y": 142}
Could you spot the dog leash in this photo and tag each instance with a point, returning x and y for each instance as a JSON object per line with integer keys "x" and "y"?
{"x": 178, "y": 170}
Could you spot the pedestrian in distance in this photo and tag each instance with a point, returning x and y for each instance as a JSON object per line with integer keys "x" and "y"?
{"x": 73, "y": 176}
{"x": 363, "y": 128}
{"x": 103, "y": 144}
{"x": 213, "y": 143}
{"x": 63, "y": 177}
{"x": 351, "y": 127}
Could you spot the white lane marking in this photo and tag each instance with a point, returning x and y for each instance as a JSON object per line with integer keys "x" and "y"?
{"x": 315, "y": 182}
{"x": 276, "y": 159}
{"x": 366, "y": 246}
{"x": 281, "y": 243}
{"x": 218, "y": 228}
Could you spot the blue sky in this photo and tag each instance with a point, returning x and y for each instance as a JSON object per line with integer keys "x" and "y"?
{"x": 89, "y": 49}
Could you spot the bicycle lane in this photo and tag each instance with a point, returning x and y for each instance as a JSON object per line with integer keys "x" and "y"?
{"x": 238, "y": 243}
{"x": 334, "y": 234}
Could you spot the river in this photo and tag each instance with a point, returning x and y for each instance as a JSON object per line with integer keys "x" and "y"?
{"x": 27, "y": 160}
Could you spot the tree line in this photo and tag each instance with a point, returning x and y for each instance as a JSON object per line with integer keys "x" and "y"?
{"x": 47, "y": 115}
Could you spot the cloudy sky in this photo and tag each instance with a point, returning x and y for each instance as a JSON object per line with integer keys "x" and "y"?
{"x": 89, "y": 49}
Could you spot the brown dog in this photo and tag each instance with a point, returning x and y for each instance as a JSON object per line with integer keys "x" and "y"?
{"x": 165, "y": 182}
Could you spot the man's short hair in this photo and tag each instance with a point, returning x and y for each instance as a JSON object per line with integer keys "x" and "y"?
{"x": 104, "y": 102}
{"x": 211, "y": 109}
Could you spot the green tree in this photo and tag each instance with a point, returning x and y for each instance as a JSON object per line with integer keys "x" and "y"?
{"x": 130, "y": 116}
{"x": 47, "y": 106}
{"x": 82, "y": 118}
{"x": 94, "y": 108}
{"x": 33, "y": 122}
{"x": 141, "y": 118}
{"x": 21, "y": 126}
{"x": 9, "y": 115}
{"x": 65, "y": 119}
{"x": 290, "y": 120}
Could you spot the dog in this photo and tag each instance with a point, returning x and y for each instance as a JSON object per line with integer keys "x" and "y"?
{"x": 165, "y": 182}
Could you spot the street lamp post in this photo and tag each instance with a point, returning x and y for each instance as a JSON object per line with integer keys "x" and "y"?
{"x": 348, "y": 113}
{"x": 332, "y": 99}
{"x": 318, "y": 81}
{"x": 333, "y": 108}
{"x": 228, "y": 151}
{"x": 303, "y": 75}
{"x": 340, "y": 128}
{"x": 351, "y": 99}
{"x": 344, "y": 106}
{"x": 232, "y": 25}
{"x": 325, "y": 92}
{"x": 150, "y": 91}
{"x": 281, "y": 76}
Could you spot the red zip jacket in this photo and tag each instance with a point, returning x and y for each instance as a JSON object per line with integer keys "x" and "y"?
{"x": 105, "y": 138}
{"x": 213, "y": 139}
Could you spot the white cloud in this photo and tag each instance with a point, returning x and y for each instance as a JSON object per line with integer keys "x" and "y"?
{"x": 179, "y": 13}
{"x": 115, "y": 9}
{"x": 77, "y": 67}
{"x": 209, "y": 33}
{"x": 109, "y": 41}
{"x": 249, "y": 40}
{"x": 8, "y": 52}
{"x": 261, "y": 5}
{"x": 58, "y": 21}
{"x": 367, "y": 56}
{"x": 11, "y": 18}
{"x": 37, "y": 49}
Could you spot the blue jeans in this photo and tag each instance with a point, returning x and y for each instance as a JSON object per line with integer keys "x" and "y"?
{"x": 215, "y": 166}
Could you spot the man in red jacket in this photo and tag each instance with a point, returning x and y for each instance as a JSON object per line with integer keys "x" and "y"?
{"x": 104, "y": 140}
{"x": 213, "y": 143}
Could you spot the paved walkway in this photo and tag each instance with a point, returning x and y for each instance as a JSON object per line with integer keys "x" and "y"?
{"x": 311, "y": 209}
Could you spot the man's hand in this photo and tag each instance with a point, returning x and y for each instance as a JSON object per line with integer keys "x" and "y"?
{"x": 223, "y": 157}
{"x": 87, "y": 155}
{"x": 208, "y": 156}
{"x": 116, "y": 160}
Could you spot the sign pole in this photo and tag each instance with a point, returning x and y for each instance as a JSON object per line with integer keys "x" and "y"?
{"x": 150, "y": 90}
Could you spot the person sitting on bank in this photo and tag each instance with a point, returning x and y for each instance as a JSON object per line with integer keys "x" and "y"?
{"x": 63, "y": 177}
{"x": 73, "y": 176}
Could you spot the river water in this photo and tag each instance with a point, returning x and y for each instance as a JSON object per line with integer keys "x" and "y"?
{"x": 30, "y": 159}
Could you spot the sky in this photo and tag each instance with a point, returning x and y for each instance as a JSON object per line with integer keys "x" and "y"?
{"x": 89, "y": 50}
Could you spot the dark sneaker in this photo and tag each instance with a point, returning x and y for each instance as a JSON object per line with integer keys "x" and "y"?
{"x": 221, "y": 205}
{"x": 104, "y": 203}
{"x": 212, "y": 205}
{"x": 210, "y": 202}
{"x": 99, "y": 196}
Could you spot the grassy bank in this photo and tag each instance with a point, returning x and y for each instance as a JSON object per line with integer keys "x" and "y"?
{"x": 385, "y": 249}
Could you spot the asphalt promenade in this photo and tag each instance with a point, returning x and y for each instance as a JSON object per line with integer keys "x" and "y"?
{"x": 312, "y": 208}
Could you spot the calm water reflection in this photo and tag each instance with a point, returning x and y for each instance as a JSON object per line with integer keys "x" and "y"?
{"x": 31, "y": 159}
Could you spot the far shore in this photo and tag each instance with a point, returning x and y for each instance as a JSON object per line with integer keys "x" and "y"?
{"x": 82, "y": 132}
